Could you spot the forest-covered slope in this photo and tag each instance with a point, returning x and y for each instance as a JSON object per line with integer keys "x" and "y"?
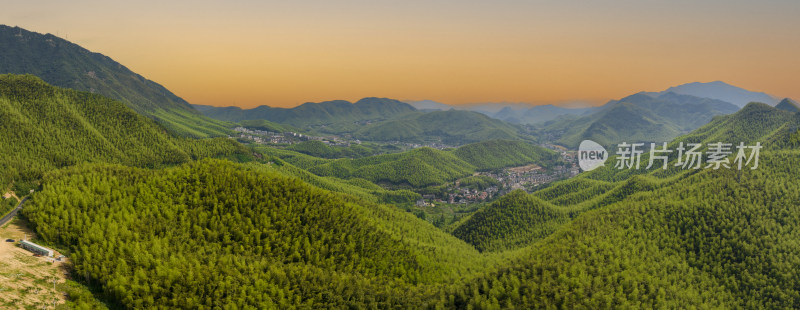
{"x": 424, "y": 166}
{"x": 65, "y": 64}
{"x": 452, "y": 127}
{"x": 215, "y": 234}
{"x": 660, "y": 238}
{"x": 641, "y": 117}
{"x": 45, "y": 127}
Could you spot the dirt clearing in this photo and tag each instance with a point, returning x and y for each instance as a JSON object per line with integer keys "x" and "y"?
{"x": 26, "y": 281}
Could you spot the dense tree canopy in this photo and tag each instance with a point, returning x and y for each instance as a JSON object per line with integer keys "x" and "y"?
{"x": 150, "y": 226}
{"x": 424, "y": 166}
{"x": 46, "y": 127}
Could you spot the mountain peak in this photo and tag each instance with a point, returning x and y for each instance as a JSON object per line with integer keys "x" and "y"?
{"x": 755, "y": 107}
{"x": 788, "y": 105}
{"x": 722, "y": 91}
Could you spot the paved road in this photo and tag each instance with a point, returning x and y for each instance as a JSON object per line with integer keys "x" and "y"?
{"x": 11, "y": 215}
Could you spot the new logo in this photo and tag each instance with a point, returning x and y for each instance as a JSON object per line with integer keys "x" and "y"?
{"x": 591, "y": 155}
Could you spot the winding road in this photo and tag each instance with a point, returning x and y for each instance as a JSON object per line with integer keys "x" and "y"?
{"x": 11, "y": 214}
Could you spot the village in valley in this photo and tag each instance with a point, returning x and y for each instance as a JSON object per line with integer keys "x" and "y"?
{"x": 527, "y": 178}
{"x": 249, "y": 135}
{"x": 270, "y": 137}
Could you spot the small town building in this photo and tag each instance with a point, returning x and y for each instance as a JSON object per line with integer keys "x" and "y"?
{"x": 35, "y": 248}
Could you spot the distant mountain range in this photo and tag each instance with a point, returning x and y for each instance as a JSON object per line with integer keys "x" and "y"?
{"x": 520, "y": 113}
{"x": 375, "y": 119}
{"x": 517, "y": 113}
{"x": 540, "y": 114}
{"x": 65, "y": 64}
{"x": 315, "y": 113}
{"x": 430, "y": 105}
{"x": 641, "y": 118}
{"x": 657, "y": 116}
{"x": 723, "y": 91}
{"x": 451, "y": 127}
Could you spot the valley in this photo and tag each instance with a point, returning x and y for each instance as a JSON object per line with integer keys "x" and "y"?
{"x": 380, "y": 203}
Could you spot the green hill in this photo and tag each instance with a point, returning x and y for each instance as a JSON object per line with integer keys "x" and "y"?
{"x": 494, "y": 154}
{"x": 623, "y": 122}
{"x": 424, "y": 166}
{"x": 685, "y": 111}
{"x": 641, "y": 118}
{"x": 376, "y": 119}
{"x": 449, "y": 127}
{"x": 516, "y": 219}
{"x": 320, "y": 149}
{"x": 674, "y": 239}
{"x": 710, "y": 239}
{"x": 213, "y": 234}
{"x": 756, "y": 122}
{"x": 45, "y": 127}
{"x": 65, "y": 64}
{"x": 418, "y": 168}
{"x": 361, "y": 188}
{"x": 788, "y": 105}
{"x": 312, "y": 113}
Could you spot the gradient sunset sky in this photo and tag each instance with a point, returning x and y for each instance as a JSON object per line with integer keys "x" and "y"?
{"x": 283, "y": 53}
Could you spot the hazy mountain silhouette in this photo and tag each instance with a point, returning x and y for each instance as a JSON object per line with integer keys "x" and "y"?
{"x": 722, "y": 91}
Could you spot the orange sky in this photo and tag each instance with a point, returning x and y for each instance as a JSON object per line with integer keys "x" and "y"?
{"x": 249, "y": 53}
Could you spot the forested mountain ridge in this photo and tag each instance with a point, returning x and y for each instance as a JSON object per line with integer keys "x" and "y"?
{"x": 376, "y": 119}
{"x": 674, "y": 238}
{"x": 452, "y": 127}
{"x": 641, "y": 118}
{"x": 215, "y": 234}
{"x": 540, "y": 114}
{"x": 424, "y": 166}
{"x": 623, "y": 122}
{"x": 756, "y": 122}
{"x": 45, "y": 127}
{"x": 788, "y": 105}
{"x": 515, "y": 220}
{"x": 419, "y": 167}
{"x": 722, "y": 91}
{"x": 775, "y": 129}
{"x": 709, "y": 240}
{"x": 685, "y": 111}
{"x": 315, "y": 113}
{"x": 496, "y": 154}
{"x": 65, "y": 64}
